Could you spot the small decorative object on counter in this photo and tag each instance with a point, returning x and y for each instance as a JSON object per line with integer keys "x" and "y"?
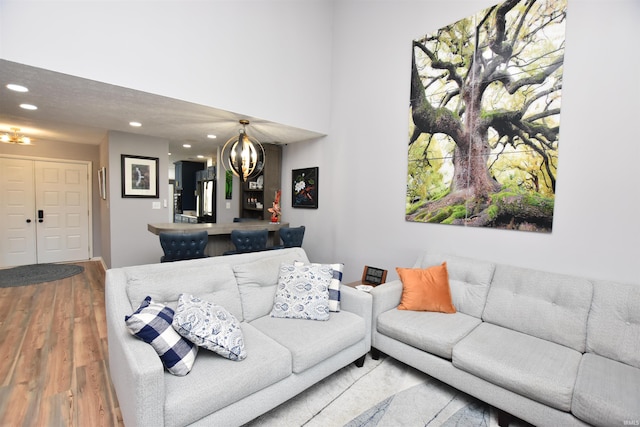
{"x": 275, "y": 209}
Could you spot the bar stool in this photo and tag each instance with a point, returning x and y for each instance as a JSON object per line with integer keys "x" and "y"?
{"x": 181, "y": 246}
{"x": 248, "y": 241}
{"x": 292, "y": 236}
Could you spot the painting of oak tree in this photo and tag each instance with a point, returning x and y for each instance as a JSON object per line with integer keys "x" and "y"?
{"x": 485, "y": 118}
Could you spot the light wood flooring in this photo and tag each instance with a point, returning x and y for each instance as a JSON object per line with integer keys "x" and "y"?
{"x": 53, "y": 354}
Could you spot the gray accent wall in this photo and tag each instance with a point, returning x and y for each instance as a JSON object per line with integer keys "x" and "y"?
{"x": 130, "y": 241}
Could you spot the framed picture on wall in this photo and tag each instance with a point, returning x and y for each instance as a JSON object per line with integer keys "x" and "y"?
{"x": 140, "y": 176}
{"x": 304, "y": 188}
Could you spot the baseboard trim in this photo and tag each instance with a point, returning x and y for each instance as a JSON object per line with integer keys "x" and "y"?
{"x": 101, "y": 261}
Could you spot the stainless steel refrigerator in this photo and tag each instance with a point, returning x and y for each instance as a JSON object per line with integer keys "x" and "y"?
{"x": 206, "y": 200}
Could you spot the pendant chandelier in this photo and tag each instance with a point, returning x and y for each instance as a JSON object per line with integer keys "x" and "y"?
{"x": 15, "y": 138}
{"x": 243, "y": 154}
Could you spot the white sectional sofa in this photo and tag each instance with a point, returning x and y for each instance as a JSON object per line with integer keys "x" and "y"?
{"x": 284, "y": 356}
{"x": 550, "y": 349}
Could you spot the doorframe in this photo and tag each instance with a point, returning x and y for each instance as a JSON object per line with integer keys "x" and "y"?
{"x": 89, "y": 164}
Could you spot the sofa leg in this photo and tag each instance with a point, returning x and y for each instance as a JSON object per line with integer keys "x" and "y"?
{"x": 504, "y": 418}
{"x": 375, "y": 353}
{"x": 360, "y": 361}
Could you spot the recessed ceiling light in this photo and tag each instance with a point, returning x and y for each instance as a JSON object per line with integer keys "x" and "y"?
{"x": 17, "y": 88}
{"x": 186, "y": 145}
{"x": 169, "y": 153}
{"x": 135, "y": 124}
{"x": 200, "y": 156}
{"x": 211, "y": 136}
{"x": 28, "y": 106}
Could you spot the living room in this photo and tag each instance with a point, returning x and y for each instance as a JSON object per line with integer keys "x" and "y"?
{"x": 343, "y": 69}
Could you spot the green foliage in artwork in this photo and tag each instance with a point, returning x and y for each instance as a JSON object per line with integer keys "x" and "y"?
{"x": 446, "y": 215}
{"x": 504, "y": 203}
{"x": 521, "y": 167}
{"x": 429, "y": 170}
{"x": 457, "y": 212}
{"x": 493, "y": 212}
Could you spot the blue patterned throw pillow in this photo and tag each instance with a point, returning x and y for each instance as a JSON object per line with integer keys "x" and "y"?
{"x": 210, "y": 326}
{"x": 151, "y": 322}
{"x": 302, "y": 292}
{"x": 334, "y": 285}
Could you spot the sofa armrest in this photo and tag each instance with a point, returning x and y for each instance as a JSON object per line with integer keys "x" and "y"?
{"x": 385, "y": 297}
{"x": 357, "y": 302}
{"x": 136, "y": 371}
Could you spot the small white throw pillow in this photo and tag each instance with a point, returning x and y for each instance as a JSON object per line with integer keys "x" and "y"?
{"x": 209, "y": 326}
{"x": 302, "y": 292}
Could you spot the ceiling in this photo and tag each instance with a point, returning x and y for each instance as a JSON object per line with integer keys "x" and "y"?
{"x": 73, "y": 109}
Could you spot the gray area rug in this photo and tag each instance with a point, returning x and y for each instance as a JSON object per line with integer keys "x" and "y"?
{"x": 428, "y": 404}
{"x": 383, "y": 393}
{"x": 37, "y": 273}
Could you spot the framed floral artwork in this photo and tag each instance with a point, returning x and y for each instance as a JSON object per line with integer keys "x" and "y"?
{"x": 304, "y": 188}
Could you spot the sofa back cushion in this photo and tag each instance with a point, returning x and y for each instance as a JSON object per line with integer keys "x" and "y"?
{"x": 550, "y": 306}
{"x": 258, "y": 279}
{"x": 213, "y": 282}
{"x": 613, "y": 329}
{"x": 469, "y": 280}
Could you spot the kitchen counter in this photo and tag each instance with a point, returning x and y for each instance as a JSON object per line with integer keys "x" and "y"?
{"x": 219, "y": 233}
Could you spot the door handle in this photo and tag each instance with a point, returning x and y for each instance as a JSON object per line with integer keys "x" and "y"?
{"x": 40, "y": 215}
{"x": 28, "y": 221}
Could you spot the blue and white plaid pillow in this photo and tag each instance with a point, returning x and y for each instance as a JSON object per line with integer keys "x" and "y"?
{"x": 151, "y": 322}
{"x": 334, "y": 285}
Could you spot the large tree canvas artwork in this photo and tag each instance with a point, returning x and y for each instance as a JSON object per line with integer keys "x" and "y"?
{"x": 485, "y": 118}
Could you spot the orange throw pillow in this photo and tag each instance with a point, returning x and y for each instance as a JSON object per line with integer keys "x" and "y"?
{"x": 426, "y": 289}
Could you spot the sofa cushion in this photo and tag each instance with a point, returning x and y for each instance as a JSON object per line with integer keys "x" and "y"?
{"x": 550, "y": 306}
{"x": 209, "y": 326}
{"x": 151, "y": 322}
{"x": 432, "y": 332}
{"x": 613, "y": 329}
{"x": 342, "y": 330}
{"x": 540, "y": 370}
{"x": 257, "y": 281}
{"x": 215, "y": 382}
{"x": 426, "y": 289}
{"x": 606, "y": 392}
{"x": 469, "y": 280}
{"x": 165, "y": 282}
{"x": 302, "y": 292}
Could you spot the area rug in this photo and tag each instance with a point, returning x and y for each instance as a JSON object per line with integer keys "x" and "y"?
{"x": 428, "y": 404}
{"x": 37, "y": 273}
{"x": 383, "y": 393}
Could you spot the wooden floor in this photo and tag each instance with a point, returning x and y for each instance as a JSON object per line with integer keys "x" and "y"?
{"x": 53, "y": 354}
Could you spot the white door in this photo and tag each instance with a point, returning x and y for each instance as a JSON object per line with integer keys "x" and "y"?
{"x": 62, "y": 211}
{"x": 54, "y": 207}
{"x": 17, "y": 213}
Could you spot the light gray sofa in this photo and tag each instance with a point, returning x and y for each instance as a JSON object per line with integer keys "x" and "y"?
{"x": 284, "y": 356}
{"x": 550, "y": 349}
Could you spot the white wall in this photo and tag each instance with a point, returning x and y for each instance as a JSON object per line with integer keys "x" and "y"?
{"x": 355, "y": 66}
{"x": 247, "y": 56}
{"x": 131, "y": 242}
{"x": 595, "y": 230}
